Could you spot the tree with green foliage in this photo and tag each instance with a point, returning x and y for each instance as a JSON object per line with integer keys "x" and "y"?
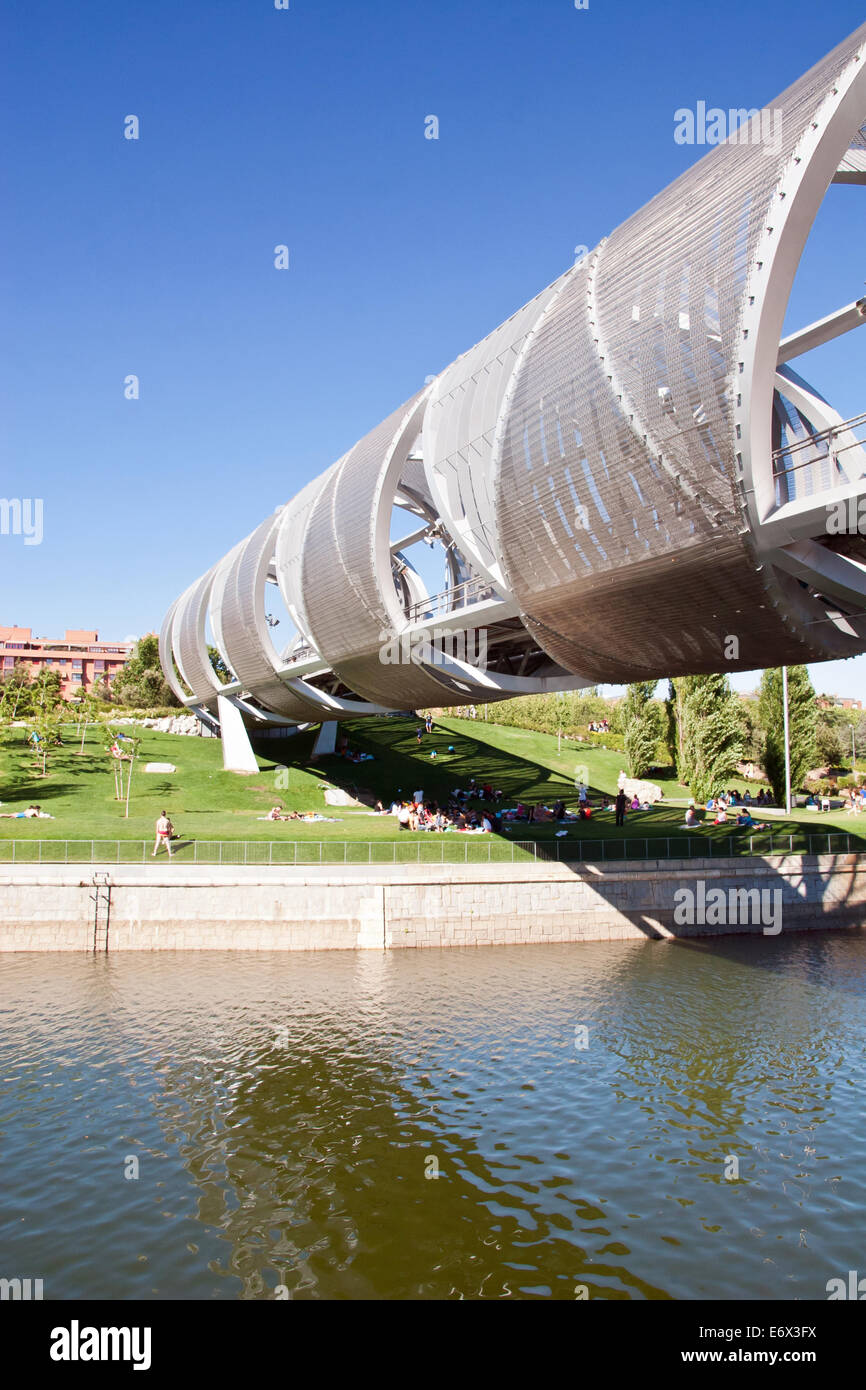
{"x": 44, "y": 692}
{"x": 44, "y": 734}
{"x": 85, "y": 711}
{"x": 17, "y": 692}
{"x": 640, "y": 727}
{"x": 674, "y": 722}
{"x": 223, "y": 674}
{"x": 802, "y": 722}
{"x": 141, "y": 684}
{"x": 709, "y": 734}
{"x": 832, "y": 740}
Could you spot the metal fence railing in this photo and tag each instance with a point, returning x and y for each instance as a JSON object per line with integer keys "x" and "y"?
{"x": 815, "y": 462}
{"x": 444, "y": 849}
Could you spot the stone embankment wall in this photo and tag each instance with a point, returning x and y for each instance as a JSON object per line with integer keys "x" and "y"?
{"x": 166, "y": 907}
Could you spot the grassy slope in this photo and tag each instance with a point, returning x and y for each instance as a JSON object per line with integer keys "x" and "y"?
{"x": 206, "y": 803}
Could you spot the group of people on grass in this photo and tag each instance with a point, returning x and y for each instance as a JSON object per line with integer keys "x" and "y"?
{"x": 727, "y": 808}
{"x": 352, "y": 755}
{"x": 416, "y": 813}
{"x": 853, "y": 800}
{"x": 277, "y": 813}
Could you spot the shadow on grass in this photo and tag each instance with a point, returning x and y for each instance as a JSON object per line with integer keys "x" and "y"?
{"x": 35, "y": 792}
{"x": 400, "y": 766}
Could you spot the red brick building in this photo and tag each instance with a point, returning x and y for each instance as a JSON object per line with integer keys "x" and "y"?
{"x": 79, "y": 657}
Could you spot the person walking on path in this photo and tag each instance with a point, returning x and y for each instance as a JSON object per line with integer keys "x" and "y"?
{"x": 164, "y": 830}
{"x": 619, "y": 806}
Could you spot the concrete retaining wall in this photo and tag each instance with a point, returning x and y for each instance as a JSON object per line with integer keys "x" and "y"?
{"x": 166, "y": 907}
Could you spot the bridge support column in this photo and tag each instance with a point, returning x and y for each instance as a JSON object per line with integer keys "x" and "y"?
{"x": 238, "y": 755}
{"x": 326, "y": 739}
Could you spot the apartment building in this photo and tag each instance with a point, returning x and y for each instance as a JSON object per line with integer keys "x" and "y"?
{"x": 79, "y": 657}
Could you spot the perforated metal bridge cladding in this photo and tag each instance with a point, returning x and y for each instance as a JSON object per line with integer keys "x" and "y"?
{"x": 600, "y": 468}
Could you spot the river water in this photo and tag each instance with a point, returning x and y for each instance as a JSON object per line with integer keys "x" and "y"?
{"x": 219, "y": 1125}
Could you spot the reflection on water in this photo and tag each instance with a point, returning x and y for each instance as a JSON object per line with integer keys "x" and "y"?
{"x": 289, "y": 1111}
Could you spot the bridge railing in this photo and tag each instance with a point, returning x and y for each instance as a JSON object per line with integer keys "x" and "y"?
{"x": 449, "y": 600}
{"x": 814, "y": 463}
{"x": 445, "y": 849}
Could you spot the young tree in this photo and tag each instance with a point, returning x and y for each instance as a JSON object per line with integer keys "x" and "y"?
{"x": 123, "y": 751}
{"x": 802, "y": 720}
{"x": 113, "y": 751}
{"x": 640, "y": 725}
{"x": 85, "y": 714}
{"x": 17, "y": 686}
{"x": 44, "y": 735}
{"x": 45, "y": 691}
{"x": 710, "y": 733}
{"x": 131, "y": 746}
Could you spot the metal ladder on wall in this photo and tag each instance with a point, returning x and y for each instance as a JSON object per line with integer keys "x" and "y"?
{"x": 101, "y": 899}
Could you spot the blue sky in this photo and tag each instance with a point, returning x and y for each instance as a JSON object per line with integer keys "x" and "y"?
{"x": 306, "y": 127}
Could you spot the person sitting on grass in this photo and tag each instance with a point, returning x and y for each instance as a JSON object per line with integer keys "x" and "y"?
{"x": 745, "y": 817}
{"x": 692, "y": 820}
{"x": 276, "y": 813}
{"x": 721, "y": 815}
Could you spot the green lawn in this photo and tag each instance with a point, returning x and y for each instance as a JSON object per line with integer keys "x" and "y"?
{"x": 206, "y": 803}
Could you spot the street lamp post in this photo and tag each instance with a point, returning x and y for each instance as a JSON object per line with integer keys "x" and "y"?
{"x": 787, "y": 741}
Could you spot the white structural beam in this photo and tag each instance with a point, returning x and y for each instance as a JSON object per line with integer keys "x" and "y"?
{"x": 326, "y": 739}
{"x": 838, "y": 576}
{"x": 852, "y": 168}
{"x": 823, "y": 331}
{"x": 238, "y": 755}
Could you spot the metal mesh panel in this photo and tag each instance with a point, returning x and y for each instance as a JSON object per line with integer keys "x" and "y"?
{"x": 619, "y": 517}
{"x": 289, "y": 548}
{"x": 459, "y": 430}
{"x": 191, "y": 647}
{"x": 349, "y": 619}
{"x": 249, "y": 650}
{"x": 166, "y": 654}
